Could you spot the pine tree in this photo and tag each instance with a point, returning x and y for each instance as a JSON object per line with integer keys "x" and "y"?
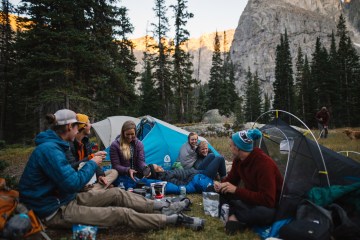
{"x": 299, "y": 80}
{"x": 7, "y": 63}
{"x": 266, "y": 107}
{"x": 333, "y": 76}
{"x": 149, "y": 100}
{"x": 239, "y": 112}
{"x": 256, "y": 96}
{"x": 120, "y": 99}
{"x": 284, "y": 83}
{"x": 66, "y": 58}
{"x": 201, "y": 102}
{"x": 252, "y": 97}
{"x": 183, "y": 69}
{"x": 348, "y": 61}
{"x": 227, "y": 92}
{"x": 216, "y": 75}
{"x": 162, "y": 70}
{"x": 309, "y": 97}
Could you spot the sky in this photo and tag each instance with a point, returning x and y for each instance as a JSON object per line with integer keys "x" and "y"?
{"x": 209, "y": 15}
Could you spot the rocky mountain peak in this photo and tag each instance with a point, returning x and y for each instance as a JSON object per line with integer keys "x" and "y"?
{"x": 262, "y": 22}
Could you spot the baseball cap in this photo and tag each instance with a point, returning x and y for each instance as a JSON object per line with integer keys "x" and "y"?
{"x": 65, "y": 116}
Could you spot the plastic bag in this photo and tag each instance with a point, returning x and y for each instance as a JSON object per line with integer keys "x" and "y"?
{"x": 211, "y": 203}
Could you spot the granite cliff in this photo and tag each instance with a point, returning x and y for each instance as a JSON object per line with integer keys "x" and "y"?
{"x": 201, "y": 49}
{"x": 262, "y": 22}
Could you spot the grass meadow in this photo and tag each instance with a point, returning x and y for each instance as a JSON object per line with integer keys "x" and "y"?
{"x": 17, "y": 156}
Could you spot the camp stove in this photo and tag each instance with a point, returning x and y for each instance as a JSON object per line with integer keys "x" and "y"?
{"x": 158, "y": 189}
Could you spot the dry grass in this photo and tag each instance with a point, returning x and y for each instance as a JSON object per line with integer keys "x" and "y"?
{"x": 17, "y": 157}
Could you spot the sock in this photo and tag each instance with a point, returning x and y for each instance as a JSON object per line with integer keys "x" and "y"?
{"x": 158, "y": 205}
{"x": 172, "y": 219}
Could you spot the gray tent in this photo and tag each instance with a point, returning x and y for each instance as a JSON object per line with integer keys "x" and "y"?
{"x": 109, "y": 128}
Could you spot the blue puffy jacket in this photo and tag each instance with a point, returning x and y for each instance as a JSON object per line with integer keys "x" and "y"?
{"x": 48, "y": 180}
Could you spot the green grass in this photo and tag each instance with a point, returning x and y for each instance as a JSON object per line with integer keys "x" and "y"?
{"x": 18, "y": 155}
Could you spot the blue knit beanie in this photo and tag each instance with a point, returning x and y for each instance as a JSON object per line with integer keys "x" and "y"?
{"x": 244, "y": 140}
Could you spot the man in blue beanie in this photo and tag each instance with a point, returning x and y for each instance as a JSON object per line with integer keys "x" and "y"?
{"x": 254, "y": 202}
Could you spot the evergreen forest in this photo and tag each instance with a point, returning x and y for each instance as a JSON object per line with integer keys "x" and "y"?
{"x": 78, "y": 55}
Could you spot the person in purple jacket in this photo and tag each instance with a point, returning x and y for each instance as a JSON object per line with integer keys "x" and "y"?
{"x": 127, "y": 153}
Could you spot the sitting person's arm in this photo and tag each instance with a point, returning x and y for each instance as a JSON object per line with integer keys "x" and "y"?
{"x": 140, "y": 159}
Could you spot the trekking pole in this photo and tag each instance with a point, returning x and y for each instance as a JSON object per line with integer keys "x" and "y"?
{"x": 320, "y": 134}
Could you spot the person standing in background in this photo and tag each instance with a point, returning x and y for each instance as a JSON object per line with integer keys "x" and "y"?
{"x": 323, "y": 118}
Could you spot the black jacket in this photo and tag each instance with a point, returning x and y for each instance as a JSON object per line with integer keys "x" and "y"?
{"x": 73, "y": 157}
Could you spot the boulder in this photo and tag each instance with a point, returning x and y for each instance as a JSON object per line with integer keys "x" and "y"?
{"x": 213, "y": 116}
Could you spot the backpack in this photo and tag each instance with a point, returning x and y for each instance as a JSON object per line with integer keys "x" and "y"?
{"x": 312, "y": 222}
{"x": 8, "y": 202}
{"x": 344, "y": 227}
{"x": 15, "y": 220}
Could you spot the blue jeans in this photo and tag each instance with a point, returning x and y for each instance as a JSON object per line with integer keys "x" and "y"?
{"x": 211, "y": 165}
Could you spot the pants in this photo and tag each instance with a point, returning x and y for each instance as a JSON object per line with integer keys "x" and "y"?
{"x": 323, "y": 131}
{"x": 111, "y": 207}
{"x": 211, "y": 165}
{"x": 110, "y": 175}
{"x": 251, "y": 215}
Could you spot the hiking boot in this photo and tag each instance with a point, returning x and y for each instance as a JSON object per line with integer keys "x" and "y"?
{"x": 175, "y": 207}
{"x": 193, "y": 223}
{"x": 232, "y": 227}
{"x": 181, "y": 199}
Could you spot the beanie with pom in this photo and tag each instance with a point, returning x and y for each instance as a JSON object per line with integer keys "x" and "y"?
{"x": 244, "y": 140}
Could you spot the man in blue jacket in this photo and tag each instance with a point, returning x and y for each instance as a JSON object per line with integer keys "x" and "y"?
{"x": 50, "y": 186}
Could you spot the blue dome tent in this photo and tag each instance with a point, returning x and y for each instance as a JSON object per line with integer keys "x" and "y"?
{"x": 162, "y": 141}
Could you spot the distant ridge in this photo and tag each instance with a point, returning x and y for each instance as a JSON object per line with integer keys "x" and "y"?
{"x": 200, "y": 48}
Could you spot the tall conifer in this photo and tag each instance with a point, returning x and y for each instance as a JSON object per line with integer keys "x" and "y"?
{"x": 183, "y": 69}
{"x": 216, "y": 75}
{"x": 284, "y": 83}
{"x": 162, "y": 69}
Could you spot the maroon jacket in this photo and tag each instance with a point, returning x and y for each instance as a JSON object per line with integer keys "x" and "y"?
{"x": 323, "y": 117}
{"x": 261, "y": 177}
{"x": 122, "y": 165}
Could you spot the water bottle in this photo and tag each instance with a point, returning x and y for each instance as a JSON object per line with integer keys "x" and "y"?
{"x": 182, "y": 191}
{"x": 121, "y": 186}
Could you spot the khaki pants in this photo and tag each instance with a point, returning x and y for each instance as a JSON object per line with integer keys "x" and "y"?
{"x": 110, "y": 175}
{"x": 107, "y": 208}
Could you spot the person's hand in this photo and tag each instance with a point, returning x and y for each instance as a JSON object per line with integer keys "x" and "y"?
{"x": 131, "y": 173}
{"x": 102, "y": 180}
{"x": 102, "y": 154}
{"x": 217, "y": 186}
{"x": 325, "y": 126}
{"x": 227, "y": 187}
{"x": 97, "y": 159}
